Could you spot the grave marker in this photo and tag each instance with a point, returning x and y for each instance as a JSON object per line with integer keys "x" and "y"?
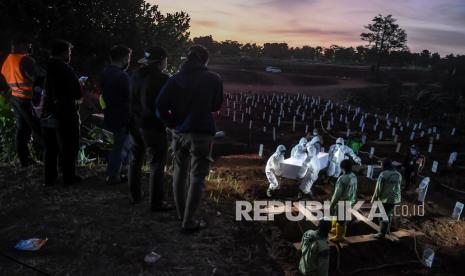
{"x": 458, "y": 209}
{"x": 452, "y": 158}
{"x": 398, "y": 147}
{"x": 370, "y": 171}
{"x": 260, "y": 151}
{"x": 434, "y": 169}
{"x": 423, "y": 188}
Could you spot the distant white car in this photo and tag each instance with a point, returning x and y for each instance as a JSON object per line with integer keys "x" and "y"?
{"x": 272, "y": 69}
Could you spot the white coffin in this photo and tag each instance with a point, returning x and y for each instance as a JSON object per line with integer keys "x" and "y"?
{"x": 290, "y": 167}
{"x": 323, "y": 159}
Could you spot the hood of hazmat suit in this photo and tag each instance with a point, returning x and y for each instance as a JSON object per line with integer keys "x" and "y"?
{"x": 298, "y": 151}
{"x": 274, "y": 162}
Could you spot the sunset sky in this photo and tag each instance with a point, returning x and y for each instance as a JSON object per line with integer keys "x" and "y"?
{"x": 437, "y": 25}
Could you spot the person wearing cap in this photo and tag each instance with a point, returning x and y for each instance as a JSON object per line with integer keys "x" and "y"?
{"x": 147, "y": 132}
{"x": 60, "y": 116}
{"x": 185, "y": 104}
{"x": 410, "y": 167}
{"x": 115, "y": 84}
{"x": 387, "y": 191}
{"x": 315, "y": 250}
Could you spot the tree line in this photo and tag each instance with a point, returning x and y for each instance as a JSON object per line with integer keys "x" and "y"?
{"x": 333, "y": 54}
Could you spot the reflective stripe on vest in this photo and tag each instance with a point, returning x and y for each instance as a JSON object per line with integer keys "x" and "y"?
{"x": 11, "y": 70}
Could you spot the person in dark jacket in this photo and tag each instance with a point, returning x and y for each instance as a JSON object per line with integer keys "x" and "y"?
{"x": 115, "y": 84}
{"x": 410, "y": 167}
{"x": 60, "y": 117}
{"x": 186, "y": 103}
{"x": 147, "y": 132}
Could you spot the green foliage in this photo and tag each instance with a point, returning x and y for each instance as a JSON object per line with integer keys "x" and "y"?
{"x": 7, "y": 132}
{"x": 93, "y": 26}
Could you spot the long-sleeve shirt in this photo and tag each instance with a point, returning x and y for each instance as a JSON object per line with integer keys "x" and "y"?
{"x": 187, "y": 100}
{"x": 146, "y": 85}
{"x": 345, "y": 190}
{"x": 116, "y": 86}
{"x": 315, "y": 254}
{"x": 387, "y": 188}
{"x": 62, "y": 91}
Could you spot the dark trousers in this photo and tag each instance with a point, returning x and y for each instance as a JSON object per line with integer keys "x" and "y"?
{"x": 61, "y": 143}
{"x": 119, "y": 153}
{"x": 409, "y": 179}
{"x": 389, "y": 208}
{"x": 153, "y": 143}
{"x": 386, "y": 225}
{"x": 26, "y": 124}
{"x": 192, "y": 160}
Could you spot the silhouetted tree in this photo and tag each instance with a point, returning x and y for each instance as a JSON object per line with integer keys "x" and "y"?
{"x": 230, "y": 48}
{"x": 276, "y": 50}
{"x": 384, "y": 36}
{"x": 251, "y": 50}
{"x": 93, "y": 26}
{"x": 208, "y": 42}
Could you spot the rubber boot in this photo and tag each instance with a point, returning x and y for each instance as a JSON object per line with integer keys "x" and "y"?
{"x": 332, "y": 232}
{"x": 340, "y": 233}
{"x": 383, "y": 228}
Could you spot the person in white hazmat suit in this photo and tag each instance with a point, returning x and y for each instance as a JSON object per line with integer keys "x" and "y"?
{"x": 310, "y": 168}
{"x": 298, "y": 151}
{"x": 273, "y": 169}
{"x": 337, "y": 153}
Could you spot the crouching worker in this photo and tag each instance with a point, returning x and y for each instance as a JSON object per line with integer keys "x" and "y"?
{"x": 387, "y": 191}
{"x": 345, "y": 190}
{"x": 315, "y": 251}
{"x": 273, "y": 169}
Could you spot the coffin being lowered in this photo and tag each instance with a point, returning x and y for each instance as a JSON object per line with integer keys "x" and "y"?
{"x": 291, "y": 167}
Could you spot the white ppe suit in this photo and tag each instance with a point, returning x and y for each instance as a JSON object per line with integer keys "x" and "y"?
{"x": 310, "y": 167}
{"x": 337, "y": 153}
{"x": 298, "y": 151}
{"x": 273, "y": 167}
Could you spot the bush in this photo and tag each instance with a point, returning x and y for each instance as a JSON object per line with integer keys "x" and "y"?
{"x": 7, "y": 132}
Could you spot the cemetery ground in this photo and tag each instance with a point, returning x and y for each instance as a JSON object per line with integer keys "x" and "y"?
{"x": 93, "y": 230}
